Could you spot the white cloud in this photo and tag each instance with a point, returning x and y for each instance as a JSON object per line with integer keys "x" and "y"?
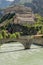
{"x": 10, "y": 0}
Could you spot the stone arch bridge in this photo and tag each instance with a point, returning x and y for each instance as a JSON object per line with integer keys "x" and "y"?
{"x": 25, "y": 40}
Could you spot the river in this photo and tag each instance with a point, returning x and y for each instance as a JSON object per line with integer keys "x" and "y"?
{"x": 14, "y": 54}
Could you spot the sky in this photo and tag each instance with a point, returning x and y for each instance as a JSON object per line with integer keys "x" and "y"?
{"x": 6, "y": 0}
{"x": 10, "y": 0}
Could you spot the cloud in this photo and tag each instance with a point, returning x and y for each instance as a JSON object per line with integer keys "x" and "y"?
{"x": 6, "y": 0}
{"x": 10, "y": 0}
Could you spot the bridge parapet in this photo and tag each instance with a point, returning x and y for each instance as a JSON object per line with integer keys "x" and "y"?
{"x": 25, "y": 40}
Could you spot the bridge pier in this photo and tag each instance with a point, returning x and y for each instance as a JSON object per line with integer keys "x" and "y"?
{"x": 25, "y": 41}
{"x": 26, "y": 44}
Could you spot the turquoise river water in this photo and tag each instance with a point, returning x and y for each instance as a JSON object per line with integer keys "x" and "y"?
{"x": 14, "y": 54}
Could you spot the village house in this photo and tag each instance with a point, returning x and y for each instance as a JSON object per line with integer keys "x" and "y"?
{"x": 24, "y": 15}
{"x": 24, "y": 18}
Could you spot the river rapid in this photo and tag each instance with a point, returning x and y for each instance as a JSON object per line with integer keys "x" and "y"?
{"x": 14, "y": 54}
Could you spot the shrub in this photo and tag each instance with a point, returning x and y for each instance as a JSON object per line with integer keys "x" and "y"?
{"x": 17, "y": 34}
{"x": 12, "y": 35}
{"x": 4, "y": 34}
{"x": 1, "y": 37}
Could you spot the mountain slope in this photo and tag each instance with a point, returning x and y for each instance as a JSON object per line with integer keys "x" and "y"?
{"x": 21, "y": 1}
{"x": 1, "y": 13}
{"x": 4, "y": 3}
{"x": 36, "y": 5}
